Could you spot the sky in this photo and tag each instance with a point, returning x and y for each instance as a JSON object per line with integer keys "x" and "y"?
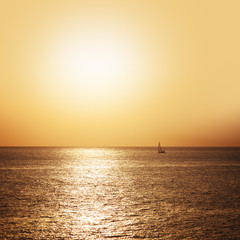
{"x": 119, "y": 73}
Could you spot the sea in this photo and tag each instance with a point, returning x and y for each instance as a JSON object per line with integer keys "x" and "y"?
{"x": 119, "y": 193}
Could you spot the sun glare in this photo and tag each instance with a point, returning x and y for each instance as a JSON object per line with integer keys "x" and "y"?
{"x": 92, "y": 66}
{"x": 103, "y": 59}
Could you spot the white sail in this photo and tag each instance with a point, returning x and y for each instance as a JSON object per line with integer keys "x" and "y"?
{"x": 160, "y": 148}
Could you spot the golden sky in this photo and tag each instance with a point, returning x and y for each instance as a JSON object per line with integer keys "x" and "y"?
{"x": 119, "y": 73}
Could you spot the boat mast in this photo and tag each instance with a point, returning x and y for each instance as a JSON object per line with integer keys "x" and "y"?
{"x": 159, "y": 147}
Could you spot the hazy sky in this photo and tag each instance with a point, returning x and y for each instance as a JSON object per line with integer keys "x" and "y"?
{"x": 119, "y": 73}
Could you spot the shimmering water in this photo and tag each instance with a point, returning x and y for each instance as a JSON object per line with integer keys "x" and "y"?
{"x": 119, "y": 193}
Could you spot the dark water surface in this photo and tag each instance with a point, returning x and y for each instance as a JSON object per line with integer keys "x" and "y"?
{"x": 119, "y": 193}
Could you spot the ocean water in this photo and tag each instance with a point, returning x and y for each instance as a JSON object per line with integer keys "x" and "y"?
{"x": 119, "y": 193}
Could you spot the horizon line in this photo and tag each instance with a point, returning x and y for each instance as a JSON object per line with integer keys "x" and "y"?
{"x": 130, "y": 146}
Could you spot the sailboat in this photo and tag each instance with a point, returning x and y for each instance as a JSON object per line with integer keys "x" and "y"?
{"x": 160, "y": 148}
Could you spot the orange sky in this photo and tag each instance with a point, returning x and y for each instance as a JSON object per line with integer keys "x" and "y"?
{"x": 119, "y": 73}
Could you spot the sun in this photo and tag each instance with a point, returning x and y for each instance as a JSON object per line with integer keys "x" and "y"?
{"x": 99, "y": 57}
{"x": 103, "y": 59}
{"x": 92, "y": 66}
